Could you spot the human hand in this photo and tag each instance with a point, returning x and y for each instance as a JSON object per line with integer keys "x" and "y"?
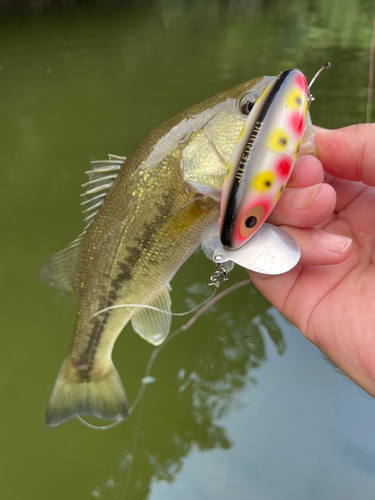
{"x": 329, "y": 296}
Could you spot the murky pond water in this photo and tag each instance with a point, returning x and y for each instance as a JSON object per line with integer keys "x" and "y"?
{"x": 241, "y": 405}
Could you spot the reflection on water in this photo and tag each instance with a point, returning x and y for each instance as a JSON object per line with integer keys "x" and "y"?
{"x": 82, "y": 79}
{"x": 202, "y": 391}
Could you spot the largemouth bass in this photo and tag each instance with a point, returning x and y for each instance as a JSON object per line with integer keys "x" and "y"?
{"x": 146, "y": 215}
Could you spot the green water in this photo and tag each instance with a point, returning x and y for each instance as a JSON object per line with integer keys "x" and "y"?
{"x": 242, "y": 406}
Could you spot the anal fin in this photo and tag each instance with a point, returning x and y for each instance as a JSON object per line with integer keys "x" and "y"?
{"x": 152, "y": 325}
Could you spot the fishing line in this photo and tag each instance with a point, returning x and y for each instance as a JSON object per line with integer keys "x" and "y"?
{"x": 98, "y": 427}
{"x": 209, "y": 302}
{"x": 145, "y": 306}
{"x": 206, "y": 305}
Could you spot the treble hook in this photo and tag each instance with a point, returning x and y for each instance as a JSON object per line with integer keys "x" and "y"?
{"x": 325, "y": 66}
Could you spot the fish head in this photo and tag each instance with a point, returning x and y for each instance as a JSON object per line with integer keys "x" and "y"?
{"x": 263, "y": 157}
{"x": 207, "y": 150}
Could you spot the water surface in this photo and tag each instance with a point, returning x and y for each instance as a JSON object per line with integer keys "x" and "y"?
{"x": 242, "y": 405}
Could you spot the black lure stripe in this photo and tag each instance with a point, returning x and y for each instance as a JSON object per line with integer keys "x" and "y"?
{"x": 227, "y": 227}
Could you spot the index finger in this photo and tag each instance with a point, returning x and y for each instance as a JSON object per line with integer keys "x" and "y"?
{"x": 348, "y": 153}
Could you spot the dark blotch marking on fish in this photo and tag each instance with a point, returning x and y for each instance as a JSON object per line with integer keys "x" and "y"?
{"x": 125, "y": 273}
{"x": 145, "y": 241}
{"x": 87, "y": 357}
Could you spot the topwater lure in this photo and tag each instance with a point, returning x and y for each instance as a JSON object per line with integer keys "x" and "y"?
{"x": 260, "y": 167}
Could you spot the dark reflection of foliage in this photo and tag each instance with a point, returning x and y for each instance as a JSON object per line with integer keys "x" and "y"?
{"x": 274, "y": 332}
{"x": 200, "y": 375}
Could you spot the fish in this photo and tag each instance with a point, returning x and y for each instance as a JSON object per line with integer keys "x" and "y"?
{"x": 263, "y": 158}
{"x": 145, "y": 216}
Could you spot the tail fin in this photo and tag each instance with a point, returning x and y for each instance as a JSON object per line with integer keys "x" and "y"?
{"x": 100, "y": 396}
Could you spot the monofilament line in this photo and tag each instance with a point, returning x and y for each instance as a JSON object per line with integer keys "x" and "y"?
{"x": 145, "y": 306}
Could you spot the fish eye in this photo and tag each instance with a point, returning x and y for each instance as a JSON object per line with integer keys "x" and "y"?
{"x": 247, "y": 102}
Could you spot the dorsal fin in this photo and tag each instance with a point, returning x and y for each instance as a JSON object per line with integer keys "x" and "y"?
{"x": 60, "y": 269}
{"x": 101, "y": 177}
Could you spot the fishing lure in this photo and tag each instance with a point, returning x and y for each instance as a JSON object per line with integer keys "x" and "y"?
{"x": 260, "y": 167}
{"x": 263, "y": 158}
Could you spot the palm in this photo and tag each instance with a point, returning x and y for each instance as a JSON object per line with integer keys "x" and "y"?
{"x": 333, "y": 304}
{"x": 348, "y": 287}
{"x": 329, "y": 297}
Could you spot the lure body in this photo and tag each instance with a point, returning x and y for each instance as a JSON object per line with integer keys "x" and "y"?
{"x": 263, "y": 158}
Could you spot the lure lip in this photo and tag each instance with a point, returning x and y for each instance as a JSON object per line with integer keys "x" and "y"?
{"x": 233, "y": 233}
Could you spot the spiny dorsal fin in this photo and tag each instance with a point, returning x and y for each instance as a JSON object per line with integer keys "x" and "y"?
{"x": 60, "y": 269}
{"x": 151, "y": 325}
{"x": 101, "y": 177}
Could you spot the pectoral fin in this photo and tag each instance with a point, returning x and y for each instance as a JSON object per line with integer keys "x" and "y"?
{"x": 152, "y": 325}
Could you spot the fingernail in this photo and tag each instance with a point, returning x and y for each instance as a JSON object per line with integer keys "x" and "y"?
{"x": 301, "y": 199}
{"x": 332, "y": 242}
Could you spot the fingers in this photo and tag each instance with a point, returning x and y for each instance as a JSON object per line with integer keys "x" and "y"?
{"x": 348, "y": 153}
{"x": 306, "y": 201}
{"x": 307, "y": 172}
{"x": 347, "y": 192}
{"x": 319, "y": 247}
{"x": 304, "y": 207}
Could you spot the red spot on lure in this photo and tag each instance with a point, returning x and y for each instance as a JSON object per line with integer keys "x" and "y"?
{"x": 284, "y": 167}
{"x": 297, "y": 123}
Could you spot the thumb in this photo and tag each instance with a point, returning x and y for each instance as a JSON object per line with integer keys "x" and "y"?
{"x": 348, "y": 153}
